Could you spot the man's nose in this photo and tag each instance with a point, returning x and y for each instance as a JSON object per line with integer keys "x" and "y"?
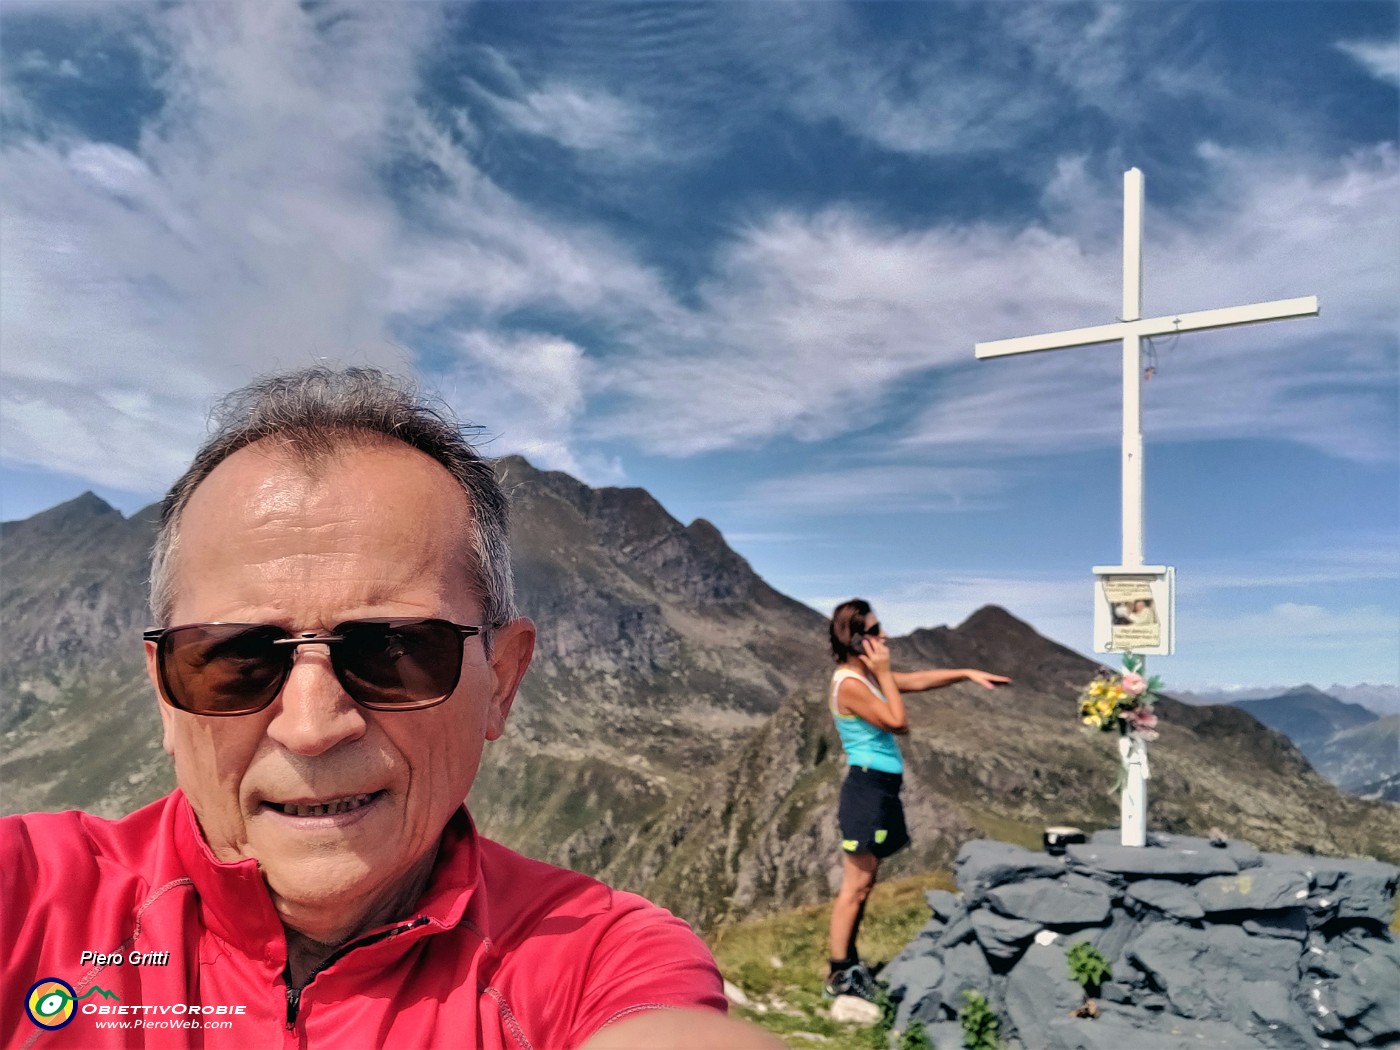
{"x": 313, "y": 712}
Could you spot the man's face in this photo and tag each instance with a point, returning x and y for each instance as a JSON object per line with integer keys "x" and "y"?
{"x": 373, "y": 532}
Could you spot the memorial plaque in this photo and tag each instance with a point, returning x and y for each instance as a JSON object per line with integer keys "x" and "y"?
{"x": 1133, "y": 607}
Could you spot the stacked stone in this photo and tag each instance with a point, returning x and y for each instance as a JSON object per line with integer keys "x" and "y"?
{"x": 1210, "y": 944}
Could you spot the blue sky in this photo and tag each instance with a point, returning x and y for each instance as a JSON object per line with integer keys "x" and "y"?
{"x": 739, "y": 255}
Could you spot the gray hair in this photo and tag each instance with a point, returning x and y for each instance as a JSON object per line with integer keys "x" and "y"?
{"x": 319, "y": 411}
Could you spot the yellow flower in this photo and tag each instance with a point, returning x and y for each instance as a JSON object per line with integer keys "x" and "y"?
{"x": 1091, "y": 720}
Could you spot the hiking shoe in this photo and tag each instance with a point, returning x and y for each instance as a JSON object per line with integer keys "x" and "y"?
{"x": 855, "y": 980}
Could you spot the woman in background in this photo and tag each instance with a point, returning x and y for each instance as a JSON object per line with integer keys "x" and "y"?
{"x": 867, "y": 704}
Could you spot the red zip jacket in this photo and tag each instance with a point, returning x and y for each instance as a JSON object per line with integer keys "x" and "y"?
{"x": 186, "y": 951}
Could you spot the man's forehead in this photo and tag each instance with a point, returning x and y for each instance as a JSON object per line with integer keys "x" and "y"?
{"x": 387, "y": 484}
{"x": 362, "y": 460}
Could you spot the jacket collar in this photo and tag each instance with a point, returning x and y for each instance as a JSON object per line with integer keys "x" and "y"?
{"x": 236, "y": 906}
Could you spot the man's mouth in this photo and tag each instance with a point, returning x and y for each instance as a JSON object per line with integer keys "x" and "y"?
{"x": 329, "y": 808}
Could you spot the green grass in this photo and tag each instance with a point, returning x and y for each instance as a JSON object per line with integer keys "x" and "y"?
{"x": 797, "y": 941}
{"x": 1026, "y": 834}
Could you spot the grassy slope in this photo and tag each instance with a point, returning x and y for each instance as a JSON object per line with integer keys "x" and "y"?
{"x": 789, "y": 994}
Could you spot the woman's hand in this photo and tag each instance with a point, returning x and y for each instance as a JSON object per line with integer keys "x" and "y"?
{"x": 877, "y": 656}
{"x": 986, "y": 679}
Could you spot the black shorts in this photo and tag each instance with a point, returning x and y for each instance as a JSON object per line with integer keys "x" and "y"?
{"x": 870, "y": 814}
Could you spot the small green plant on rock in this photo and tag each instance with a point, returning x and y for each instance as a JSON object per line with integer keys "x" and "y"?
{"x": 915, "y": 1037}
{"x": 1088, "y": 966}
{"x": 979, "y": 1023}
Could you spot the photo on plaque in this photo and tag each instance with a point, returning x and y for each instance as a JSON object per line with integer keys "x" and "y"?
{"x": 1134, "y": 620}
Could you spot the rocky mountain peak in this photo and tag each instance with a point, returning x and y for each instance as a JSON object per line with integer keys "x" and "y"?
{"x": 76, "y": 513}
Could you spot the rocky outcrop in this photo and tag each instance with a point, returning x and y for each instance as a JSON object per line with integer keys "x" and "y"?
{"x": 1210, "y": 944}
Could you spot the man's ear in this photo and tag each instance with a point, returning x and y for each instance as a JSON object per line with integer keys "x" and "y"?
{"x": 512, "y": 646}
{"x": 167, "y": 717}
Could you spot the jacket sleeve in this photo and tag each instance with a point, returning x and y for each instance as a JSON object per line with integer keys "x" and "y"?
{"x": 647, "y": 959}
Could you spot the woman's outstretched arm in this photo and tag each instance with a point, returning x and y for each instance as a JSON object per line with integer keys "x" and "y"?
{"x": 936, "y": 678}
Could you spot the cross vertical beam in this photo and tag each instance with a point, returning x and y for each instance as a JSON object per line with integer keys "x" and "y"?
{"x": 1132, "y": 369}
{"x": 1132, "y": 801}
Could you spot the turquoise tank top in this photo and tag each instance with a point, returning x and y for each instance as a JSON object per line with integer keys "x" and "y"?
{"x": 865, "y": 744}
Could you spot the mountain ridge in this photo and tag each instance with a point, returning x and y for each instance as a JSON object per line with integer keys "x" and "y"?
{"x": 672, "y": 735}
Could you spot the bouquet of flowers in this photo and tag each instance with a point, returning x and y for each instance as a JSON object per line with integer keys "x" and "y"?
{"x": 1121, "y": 701}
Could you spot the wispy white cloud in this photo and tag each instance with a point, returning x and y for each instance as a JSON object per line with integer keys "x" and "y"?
{"x": 252, "y": 228}
{"x": 1380, "y": 58}
{"x": 1366, "y": 560}
{"x": 576, "y": 116}
{"x": 811, "y": 321}
{"x": 236, "y": 239}
{"x": 475, "y": 247}
{"x": 1289, "y": 642}
{"x": 530, "y": 390}
{"x": 881, "y": 489}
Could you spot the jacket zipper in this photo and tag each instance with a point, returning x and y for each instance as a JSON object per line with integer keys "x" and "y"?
{"x": 294, "y": 994}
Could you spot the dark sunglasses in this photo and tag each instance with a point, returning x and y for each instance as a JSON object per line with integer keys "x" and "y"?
{"x": 872, "y": 630}
{"x": 239, "y": 668}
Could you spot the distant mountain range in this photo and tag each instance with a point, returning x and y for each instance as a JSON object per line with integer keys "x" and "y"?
{"x": 1355, "y": 748}
{"x": 1381, "y": 699}
{"x": 672, "y": 734}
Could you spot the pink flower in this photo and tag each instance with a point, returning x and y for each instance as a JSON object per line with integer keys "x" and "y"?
{"x": 1134, "y": 684}
{"x": 1142, "y": 721}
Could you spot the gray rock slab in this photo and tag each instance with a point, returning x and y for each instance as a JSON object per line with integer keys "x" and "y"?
{"x": 1322, "y": 909}
{"x": 1002, "y": 938}
{"x": 1266, "y": 1011}
{"x": 1368, "y": 996}
{"x": 911, "y": 977}
{"x": 1355, "y": 888}
{"x": 1243, "y": 854}
{"x": 944, "y": 1033}
{"x": 1167, "y": 896}
{"x": 1053, "y": 902}
{"x": 1200, "y": 971}
{"x": 1151, "y": 862}
{"x": 957, "y": 931}
{"x": 965, "y": 969}
{"x": 1292, "y": 923}
{"x": 1145, "y": 1032}
{"x": 1259, "y": 889}
{"x": 1333, "y": 957}
{"x": 942, "y": 903}
{"x": 1113, "y": 992}
{"x": 985, "y": 863}
{"x": 1038, "y": 990}
{"x": 1110, "y": 940}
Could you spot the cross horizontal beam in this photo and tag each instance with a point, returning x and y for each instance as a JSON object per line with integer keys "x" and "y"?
{"x": 1110, "y": 333}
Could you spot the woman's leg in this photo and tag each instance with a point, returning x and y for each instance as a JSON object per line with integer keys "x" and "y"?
{"x": 857, "y": 876}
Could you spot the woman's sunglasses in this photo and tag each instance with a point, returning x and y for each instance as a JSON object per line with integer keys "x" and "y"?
{"x": 239, "y": 668}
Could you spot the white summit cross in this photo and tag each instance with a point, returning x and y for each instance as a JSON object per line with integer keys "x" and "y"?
{"x": 1131, "y": 329}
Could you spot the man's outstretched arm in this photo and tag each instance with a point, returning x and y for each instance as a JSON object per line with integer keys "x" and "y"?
{"x": 679, "y": 1029}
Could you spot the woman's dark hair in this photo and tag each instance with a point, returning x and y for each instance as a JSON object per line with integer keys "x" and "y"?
{"x": 848, "y": 619}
